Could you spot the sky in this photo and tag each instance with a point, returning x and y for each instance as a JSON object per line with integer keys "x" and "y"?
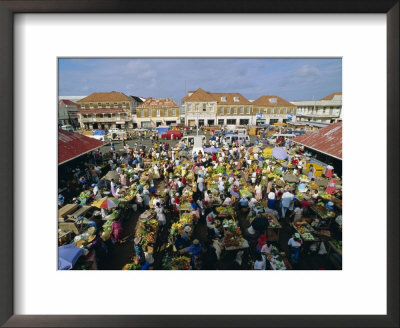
{"x": 292, "y": 79}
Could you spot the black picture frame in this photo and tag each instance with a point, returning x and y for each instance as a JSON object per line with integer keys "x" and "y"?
{"x": 10, "y": 7}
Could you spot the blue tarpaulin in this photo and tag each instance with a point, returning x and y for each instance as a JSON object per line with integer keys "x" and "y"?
{"x": 162, "y": 129}
{"x": 98, "y": 132}
{"x": 67, "y": 256}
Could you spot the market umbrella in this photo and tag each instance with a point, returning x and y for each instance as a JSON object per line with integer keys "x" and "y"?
{"x": 211, "y": 150}
{"x": 260, "y": 223}
{"x": 279, "y": 153}
{"x": 106, "y": 202}
{"x": 67, "y": 256}
{"x": 111, "y": 175}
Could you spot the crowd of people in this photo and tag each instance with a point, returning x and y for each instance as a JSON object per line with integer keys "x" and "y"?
{"x": 162, "y": 174}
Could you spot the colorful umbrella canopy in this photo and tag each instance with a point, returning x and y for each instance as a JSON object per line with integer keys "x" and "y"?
{"x": 211, "y": 150}
{"x": 279, "y": 153}
{"x": 107, "y": 203}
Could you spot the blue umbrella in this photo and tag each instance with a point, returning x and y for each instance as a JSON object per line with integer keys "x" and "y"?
{"x": 211, "y": 150}
{"x": 279, "y": 153}
{"x": 67, "y": 256}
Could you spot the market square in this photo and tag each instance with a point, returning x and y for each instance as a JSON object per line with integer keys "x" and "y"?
{"x": 218, "y": 182}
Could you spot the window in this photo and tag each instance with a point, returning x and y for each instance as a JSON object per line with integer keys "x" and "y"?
{"x": 123, "y": 104}
{"x": 204, "y": 107}
{"x": 107, "y": 105}
{"x": 228, "y": 110}
{"x": 84, "y": 116}
{"x": 285, "y": 110}
{"x": 141, "y": 112}
{"x": 173, "y": 112}
{"x": 221, "y": 110}
{"x": 265, "y": 110}
{"x": 165, "y": 112}
{"x": 244, "y": 122}
{"x": 273, "y": 100}
{"x": 223, "y": 98}
{"x": 234, "y": 110}
{"x": 99, "y": 105}
{"x": 82, "y": 105}
{"x": 323, "y": 111}
{"x": 158, "y": 113}
{"x": 258, "y": 110}
{"x": 91, "y": 105}
{"x": 235, "y": 99}
{"x": 221, "y": 122}
{"x": 248, "y": 110}
{"x": 115, "y": 105}
{"x": 189, "y": 107}
{"x": 231, "y": 121}
{"x": 196, "y": 108}
{"x": 241, "y": 110}
{"x": 278, "y": 111}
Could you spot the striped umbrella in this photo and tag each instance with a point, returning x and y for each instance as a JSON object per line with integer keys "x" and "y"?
{"x": 107, "y": 203}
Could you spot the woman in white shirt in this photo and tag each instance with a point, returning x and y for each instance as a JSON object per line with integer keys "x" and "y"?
{"x": 258, "y": 189}
{"x": 260, "y": 263}
{"x": 295, "y": 243}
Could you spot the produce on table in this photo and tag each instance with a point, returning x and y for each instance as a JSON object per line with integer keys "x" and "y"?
{"x": 337, "y": 244}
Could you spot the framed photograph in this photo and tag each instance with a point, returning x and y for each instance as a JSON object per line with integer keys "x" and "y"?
{"x": 106, "y": 107}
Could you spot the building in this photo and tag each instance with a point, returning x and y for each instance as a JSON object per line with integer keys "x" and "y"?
{"x": 136, "y": 102}
{"x": 273, "y": 109}
{"x": 105, "y": 110}
{"x": 157, "y": 111}
{"x": 68, "y": 113}
{"x": 326, "y": 110}
{"x": 206, "y": 108}
{"x": 325, "y": 146}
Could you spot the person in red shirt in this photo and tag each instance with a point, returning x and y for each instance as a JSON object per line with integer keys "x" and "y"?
{"x": 214, "y": 157}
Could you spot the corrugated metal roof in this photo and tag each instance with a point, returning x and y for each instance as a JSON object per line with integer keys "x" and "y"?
{"x": 72, "y": 145}
{"x": 327, "y": 140}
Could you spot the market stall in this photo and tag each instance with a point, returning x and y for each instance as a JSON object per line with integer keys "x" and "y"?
{"x": 277, "y": 260}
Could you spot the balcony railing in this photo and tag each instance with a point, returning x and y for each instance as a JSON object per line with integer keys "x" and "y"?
{"x": 105, "y": 119}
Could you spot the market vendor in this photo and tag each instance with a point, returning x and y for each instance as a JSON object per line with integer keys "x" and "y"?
{"x": 295, "y": 243}
{"x": 194, "y": 249}
{"x": 244, "y": 202}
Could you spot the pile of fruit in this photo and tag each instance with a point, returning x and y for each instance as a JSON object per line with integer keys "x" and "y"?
{"x": 147, "y": 231}
{"x": 184, "y": 220}
{"x": 85, "y": 194}
{"x": 176, "y": 263}
{"x": 246, "y": 192}
{"x": 337, "y": 244}
{"x": 225, "y": 210}
{"x": 233, "y": 234}
{"x": 322, "y": 211}
{"x": 324, "y": 195}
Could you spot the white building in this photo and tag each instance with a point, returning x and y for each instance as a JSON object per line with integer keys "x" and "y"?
{"x": 326, "y": 110}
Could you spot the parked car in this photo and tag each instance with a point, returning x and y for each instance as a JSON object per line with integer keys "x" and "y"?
{"x": 272, "y": 138}
{"x": 231, "y": 138}
{"x": 171, "y": 134}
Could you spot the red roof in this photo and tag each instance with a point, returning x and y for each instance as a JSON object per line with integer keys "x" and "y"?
{"x": 327, "y": 140}
{"x": 72, "y": 145}
{"x": 100, "y": 111}
{"x": 67, "y": 102}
